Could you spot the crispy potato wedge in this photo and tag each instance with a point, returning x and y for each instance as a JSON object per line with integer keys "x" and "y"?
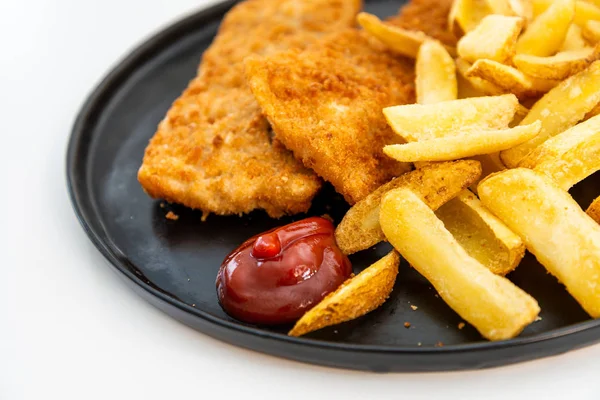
{"x": 560, "y": 109}
{"x": 594, "y": 210}
{"x": 495, "y": 38}
{"x": 559, "y": 66}
{"x": 546, "y": 33}
{"x": 469, "y": 143}
{"x": 435, "y": 184}
{"x": 356, "y": 297}
{"x": 492, "y": 304}
{"x": 510, "y": 79}
{"x": 555, "y": 229}
{"x": 570, "y": 157}
{"x": 435, "y": 74}
{"x": 416, "y": 122}
{"x": 401, "y": 41}
{"x": 574, "y": 39}
{"x": 584, "y": 11}
{"x": 465, "y": 15}
{"x": 472, "y": 86}
{"x": 591, "y": 31}
{"x": 481, "y": 233}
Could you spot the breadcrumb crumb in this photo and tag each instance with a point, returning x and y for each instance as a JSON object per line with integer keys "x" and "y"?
{"x": 415, "y": 308}
{"x": 407, "y": 325}
{"x": 172, "y": 216}
{"x": 461, "y": 325}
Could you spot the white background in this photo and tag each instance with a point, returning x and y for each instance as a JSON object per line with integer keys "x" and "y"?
{"x": 69, "y": 328}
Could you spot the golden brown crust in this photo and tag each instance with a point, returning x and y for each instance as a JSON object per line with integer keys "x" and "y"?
{"x": 325, "y": 105}
{"x": 428, "y": 16}
{"x": 356, "y": 297}
{"x": 435, "y": 183}
{"x": 594, "y": 210}
{"x": 213, "y": 151}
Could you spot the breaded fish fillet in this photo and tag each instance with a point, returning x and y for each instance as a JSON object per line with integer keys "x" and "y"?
{"x": 325, "y": 104}
{"x": 429, "y": 16}
{"x": 214, "y": 149}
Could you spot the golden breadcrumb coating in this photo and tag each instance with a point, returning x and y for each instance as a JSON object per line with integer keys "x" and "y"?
{"x": 214, "y": 149}
{"x": 325, "y": 104}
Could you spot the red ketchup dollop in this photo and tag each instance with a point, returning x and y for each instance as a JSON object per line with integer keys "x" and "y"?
{"x": 275, "y": 277}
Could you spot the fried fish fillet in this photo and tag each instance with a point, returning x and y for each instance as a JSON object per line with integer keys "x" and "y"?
{"x": 214, "y": 150}
{"x": 428, "y": 16}
{"x": 324, "y": 104}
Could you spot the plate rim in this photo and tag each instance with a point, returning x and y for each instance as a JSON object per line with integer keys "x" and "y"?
{"x": 81, "y": 131}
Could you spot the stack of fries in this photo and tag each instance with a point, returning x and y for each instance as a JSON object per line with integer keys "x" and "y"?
{"x": 505, "y": 124}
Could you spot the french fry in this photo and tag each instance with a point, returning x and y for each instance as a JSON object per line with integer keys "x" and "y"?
{"x": 574, "y": 39}
{"x": 592, "y": 113}
{"x": 509, "y": 78}
{"x": 521, "y": 113}
{"x": 471, "y": 86}
{"x": 435, "y": 74}
{"x": 559, "y": 66}
{"x": 519, "y": 8}
{"x": 594, "y": 210}
{"x": 416, "y": 122}
{"x": 560, "y": 109}
{"x": 546, "y": 33}
{"x": 356, "y": 297}
{"x": 481, "y": 234}
{"x": 490, "y": 164}
{"x": 591, "y": 31}
{"x": 465, "y": 15}
{"x": 555, "y": 229}
{"x": 492, "y": 304}
{"x": 584, "y": 11}
{"x": 435, "y": 184}
{"x": 495, "y": 38}
{"x": 467, "y": 144}
{"x": 570, "y": 157}
{"x": 401, "y": 41}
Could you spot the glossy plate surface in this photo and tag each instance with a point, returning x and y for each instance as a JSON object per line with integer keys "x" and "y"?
{"x": 173, "y": 264}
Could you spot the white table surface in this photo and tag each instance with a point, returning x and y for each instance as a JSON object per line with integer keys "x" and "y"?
{"x": 70, "y": 328}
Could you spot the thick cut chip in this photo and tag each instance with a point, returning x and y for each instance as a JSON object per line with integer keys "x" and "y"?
{"x": 559, "y": 66}
{"x": 481, "y": 233}
{"x": 325, "y": 105}
{"x": 584, "y": 11}
{"x": 570, "y": 157}
{"x": 594, "y": 210}
{"x": 490, "y": 164}
{"x": 399, "y": 40}
{"x": 574, "y": 39}
{"x": 555, "y": 229}
{"x": 519, "y": 8}
{"x": 467, "y": 144}
{"x": 591, "y": 31}
{"x": 546, "y": 33}
{"x": 494, "y": 38}
{"x": 213, "y": 150}
{"x": 510, "y": 79}
{"x": 416, "y": 122}
{"x": 469, "y": 86}
{"x": 492, "y": 304}
{"x": 435, "y": 184}
{"x": 356, "y": 297}
{"x": 560, "y": 109}
{"x": 436, "y": 74}
{"x": 465, "y": 15}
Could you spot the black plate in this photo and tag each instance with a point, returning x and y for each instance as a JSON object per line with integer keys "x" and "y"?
{"x": 173, "y": 264}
